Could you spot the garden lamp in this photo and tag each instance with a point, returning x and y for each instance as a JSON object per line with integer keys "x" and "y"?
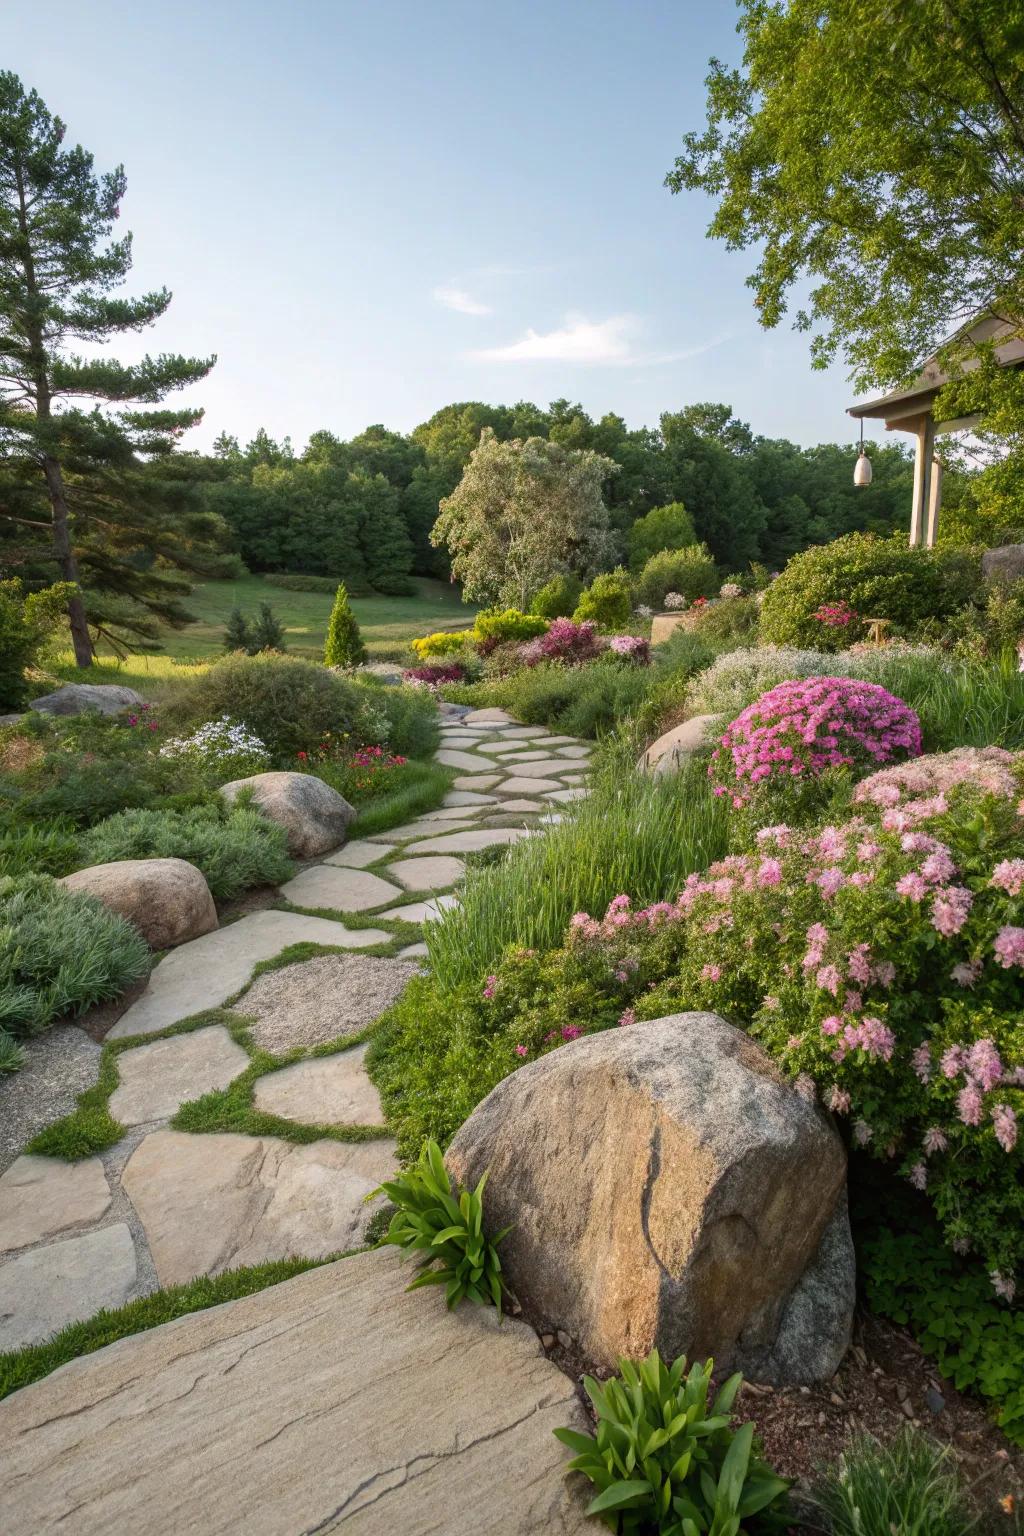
{"x": 862, "y": 468}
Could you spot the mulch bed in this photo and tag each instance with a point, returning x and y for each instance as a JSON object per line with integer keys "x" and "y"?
{"x": 885, "y": 1383}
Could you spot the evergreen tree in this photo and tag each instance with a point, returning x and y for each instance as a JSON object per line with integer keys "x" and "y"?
{"x": 58, "y": 267}
{"x": 237, "y": 635}
{"x": 344, "y": 647}
{"x": 268, "y": 631}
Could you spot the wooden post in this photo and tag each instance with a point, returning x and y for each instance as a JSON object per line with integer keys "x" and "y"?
{"x": 922, "y": 479}
{"x": 934, "y": 504}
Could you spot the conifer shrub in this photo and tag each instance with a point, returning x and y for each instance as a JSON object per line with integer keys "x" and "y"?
{"x": 344, "y": 645}
{"x": 268, "y": 631}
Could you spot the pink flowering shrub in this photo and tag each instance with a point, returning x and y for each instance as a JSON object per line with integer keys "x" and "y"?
{"x": 434, "y": 674}
{"x": 565, "y": 641}
{"x": 801, "y": 728}
{"x": 881, "y": 962}
{"x": 837, "y": 616}
{"x": 632, "y": 648}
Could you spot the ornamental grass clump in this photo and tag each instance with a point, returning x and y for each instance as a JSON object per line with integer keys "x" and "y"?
{"x": 804, "y": 727}
{"x": 880, "y": 961}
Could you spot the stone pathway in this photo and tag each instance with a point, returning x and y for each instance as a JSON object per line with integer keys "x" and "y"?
{"x": 163, "y": 1205}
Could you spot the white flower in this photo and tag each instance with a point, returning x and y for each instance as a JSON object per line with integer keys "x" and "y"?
{"x": 218, "y": 742}
{"x": 675, "y": 601}
{"x": 731, "y": 589}
{"x": 642, "y": 611}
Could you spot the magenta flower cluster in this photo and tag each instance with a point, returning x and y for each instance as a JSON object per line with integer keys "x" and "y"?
{"x": 835, "y": 615}
{"x": 632, "y": 648}
{"x": 433, "y": 674}
{"x": 564, "y": 641}
{"x": 807, "y": 725}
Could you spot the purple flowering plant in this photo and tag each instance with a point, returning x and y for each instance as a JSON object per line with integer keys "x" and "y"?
{"x": 565, "y": 641}
{"x": 632, "y": 648}
{"x": 806, "y": 726}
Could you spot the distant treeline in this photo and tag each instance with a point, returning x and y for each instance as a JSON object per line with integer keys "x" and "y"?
{"x": 363, "y": 509}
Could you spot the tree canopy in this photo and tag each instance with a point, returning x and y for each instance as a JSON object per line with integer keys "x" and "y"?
{"x": 86, "y": 490}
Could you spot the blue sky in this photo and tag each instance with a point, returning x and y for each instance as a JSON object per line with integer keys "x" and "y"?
{"x": 369, "y": 210}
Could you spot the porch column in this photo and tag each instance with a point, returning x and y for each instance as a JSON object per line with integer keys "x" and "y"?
{"x": 934, "y": 504}
{"x": 922, "y": 479}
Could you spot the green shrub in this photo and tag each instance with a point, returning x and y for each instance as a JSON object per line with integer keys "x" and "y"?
{"x": 668, "y": 527}
{"x": 664, "y": 1460}
{"x": 287, "y": 702}
{"x": 727, "y": 621}
{"x": 557, "y": 598}
{"x": 443, "y": 642}
{"x": 504, "y": 624}
{"x": 38, "y": 848}
{"x": 60, "y": 952}
{"x": 23, "y": 625}
{"x": 673, "y": 664}
{"x": 876, "y": 578}
{"x": 607, "y": 602}
{"x": 267, "y": 631}
{"x": 990, "y": 629}
{"x": 344, "y": 645}
{"x": 576, "y": 701}
{"x": 413, "y": 725}
{"x": 910, "y": 1486}
{"x": 421, "y": 788}
{"x": 235, "y": 848}
{"x": 444, "y": 1226}
{"x": 691, "y": 572}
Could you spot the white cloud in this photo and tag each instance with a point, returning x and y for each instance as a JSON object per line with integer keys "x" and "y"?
{"x": 607, "y": 343}
{"x": 458, "y": 299}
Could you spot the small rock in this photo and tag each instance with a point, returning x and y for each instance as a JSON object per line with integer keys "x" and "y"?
{"x": 907, "y": 1407}
{"x": 564, "y": 1339}
{"x": 548, "y": 1340}
{"x": 934, "y": 1400}
{"x": 901, "y": 1391}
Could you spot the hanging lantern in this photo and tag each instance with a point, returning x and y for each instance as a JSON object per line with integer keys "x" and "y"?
{"x": 862, "y": 468}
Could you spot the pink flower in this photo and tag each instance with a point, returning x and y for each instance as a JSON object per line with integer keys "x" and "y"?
{"x": 952, "y": 1061}
{"x": 984, "y": 1065}
{"x": 1009, "y": 947}
{"x": 934, "y": 1140}
{"x": 969, "y": 1105}
{"x": 627, "y": 1017}
{"x": 832, "y": 1025}
{"x": 1004, "y": 1286}
{"x": 951, "y": 909}
{"x": 964, "y": 974}
{"x": 829, "y": 979}
{"x": 912, "y": 885}
{"x": 769, "y": 872}
{"x": 490, "y": 987}
{"x": 839, "y": 1101}
{"x": 918, "y": 1176}
{"x": 520, "y": 1050}
{"x": 830, "y": 882}
{"x": 859, "y": 964}
{"x": 1004, "y": 1122}
{"x": 769, "y": 1002}
{"x": 921, "y": 1062}
{"x": 1009, "y": 877}
{"x": 711, "y": 973}
{"x": 571, "y": 1031}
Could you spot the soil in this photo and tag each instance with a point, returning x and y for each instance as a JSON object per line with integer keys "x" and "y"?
{"x": 885, "y": 1383}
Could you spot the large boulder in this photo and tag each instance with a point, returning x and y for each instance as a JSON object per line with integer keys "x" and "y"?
{"x": 1003, "y": 564}
{"x": 666, "y": 1186}
{"x": 168, "y": 900}
{"x": 76, "y": 698}
{"x": 664, "y": 625}
{"x": 667, "y": 754}
{"x": 315, "y": 817}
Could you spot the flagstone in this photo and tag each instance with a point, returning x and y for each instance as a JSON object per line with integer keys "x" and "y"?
{"x": 467, "y": 797}
{"x": 422, "y": 911}
{"x": 208, "y": 971}
{"x": 481, "y": 781}
{"x": 157, "y": 1078}
{"x": 47, "y": 1288}
{"x": 211, "y": 1203}
{"x": 413, "y": 951}
{"x": 315, "y": 1001}
{"x": 340, "y": 889}
{"x": 542, "y": 767}
{"x": 427, "y": 874}
{"x": 355, "y": 855}
{"x": 469, "y": 842}
{"x": 567, "y": 794}
{"x": 524, "y": 786}
{"x": 322, "y": 1090}
{"x": 489, "y": 716}
{"x": 41, "y": 1196}
{"x": 469, "y": 762}
{"x": 522, "y": 805}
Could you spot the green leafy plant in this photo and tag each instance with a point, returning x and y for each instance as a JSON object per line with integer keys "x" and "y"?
{"x": 23, "y": 625}
{"x": 661, "y": 1460}
{"x": 444, "y": 1225}
{"x": 910, "y": 1486}
{"x": 287, "y": 702}
{"x": 690, "y": 571}
{"x": 235, "y": 848}
{"x": 344, "y": 645}
{"x": 608, "y": 601}
{"x": 500, "y": 624}
{"x": 669, "y": 527}
{"x": 557, "y": 598}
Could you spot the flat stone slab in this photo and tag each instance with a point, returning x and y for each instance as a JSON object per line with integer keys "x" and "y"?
{"x": 342, "y": 890}
{"x": 324, "y": 1090}
{"x": 424, "y": 824}
{"x": 518, "y": 785}
{"x": 59, "y": 1065}
{"x": 41, "y": 1196}
{"x": 157, "y": 1079}
{"x": 319, "y": 1000}
{"x": 482, "y": 781}
{"x": 413, "y": 951}
{"x": 334, "y": 1402}
{"x": 526, "y": 756}
{"x": 449, "y": 813}
{"x": 205, "y": 973}
{"x": 469, "y": 842}
{"x": 576, "y": 793}
{"x": 355, "y": 855}
{"x": 462, "y": 797}
{"x": 542, "y": 766}
{"x": 489, "y": 716}
{"x": 422, "y": 911}
{"x": 579, "y": 752}
{"x": 47, "y": 1288}
{"x": 521, "y": 805}
{"x": 451, "y": 757}
{"x": 427, "y": 874}
{"x": 210, "y": 1203}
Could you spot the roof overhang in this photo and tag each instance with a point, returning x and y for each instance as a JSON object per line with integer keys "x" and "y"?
{"x": 903, "y": 409}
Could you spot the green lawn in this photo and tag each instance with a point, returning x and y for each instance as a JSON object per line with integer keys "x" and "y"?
{"x": 387, "y": 623}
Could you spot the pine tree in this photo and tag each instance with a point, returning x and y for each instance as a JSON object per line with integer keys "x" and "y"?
{"x": 237, "y": 635}
{"x": 344, "y": 647}
{"x": 268, "y": 631}
{"x": 58, "y": 267}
